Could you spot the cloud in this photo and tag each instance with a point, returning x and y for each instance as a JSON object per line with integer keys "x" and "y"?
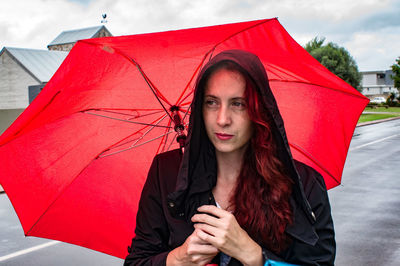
{"x": 35, "y": 23}
{"x": 376, "y": 50}
{"x": 385, "y": 19}
{"x": 82, "y": 2}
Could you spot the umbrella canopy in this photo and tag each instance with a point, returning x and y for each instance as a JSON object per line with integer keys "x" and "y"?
{"x": 75, "y": 161}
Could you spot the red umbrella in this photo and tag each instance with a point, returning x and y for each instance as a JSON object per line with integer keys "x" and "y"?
{"x": 74, "y": 163}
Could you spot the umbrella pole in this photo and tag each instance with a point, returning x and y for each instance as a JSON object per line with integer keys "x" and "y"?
{"x": 179, "y": 128}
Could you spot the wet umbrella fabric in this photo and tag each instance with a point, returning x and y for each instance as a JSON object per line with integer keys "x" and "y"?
{"x": 75, "y": 161}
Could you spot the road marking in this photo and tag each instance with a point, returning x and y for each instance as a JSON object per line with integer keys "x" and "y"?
{"x": 373, "y": 142}
{"x": 28, "y": 250}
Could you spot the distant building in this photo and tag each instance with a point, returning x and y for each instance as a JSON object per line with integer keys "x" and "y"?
{"x": 21, "y": 68}
{"x": 66, "y": 40}
{"x": 378, "y": 83}
{"x": 24, "y": 72}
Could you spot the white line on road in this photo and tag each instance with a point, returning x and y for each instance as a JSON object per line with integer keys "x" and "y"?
{"x": 28, "y": 250}
{"x": 373, "y": 142}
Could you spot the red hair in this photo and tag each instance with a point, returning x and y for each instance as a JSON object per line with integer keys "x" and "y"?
{"x": 261, "y": 200}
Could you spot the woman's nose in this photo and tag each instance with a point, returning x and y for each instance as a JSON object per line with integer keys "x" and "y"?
{"x": 224, "y": 117}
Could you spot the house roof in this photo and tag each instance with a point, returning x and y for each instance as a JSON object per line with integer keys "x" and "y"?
{"x": 41, "y": 64}
{"x": 72, "y": 36}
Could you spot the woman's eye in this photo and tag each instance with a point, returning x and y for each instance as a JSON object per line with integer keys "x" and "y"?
{"x": 239, "y": 104}
{"x": 210, "y": 102}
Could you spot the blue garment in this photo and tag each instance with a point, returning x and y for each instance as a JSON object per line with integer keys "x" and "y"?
{"x": 224, "y": 259}
{"x": 277, "y": 263}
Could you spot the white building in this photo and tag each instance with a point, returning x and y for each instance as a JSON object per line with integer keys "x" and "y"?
{"x": 24, "y": 72}
{"x": 66, "y": 40}
{"x": 378, "y": 83}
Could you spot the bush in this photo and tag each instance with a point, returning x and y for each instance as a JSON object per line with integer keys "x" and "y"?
{"x": 391, "y": 100}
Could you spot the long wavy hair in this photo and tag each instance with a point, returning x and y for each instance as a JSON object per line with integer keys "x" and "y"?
{"x": 261, "y": 199}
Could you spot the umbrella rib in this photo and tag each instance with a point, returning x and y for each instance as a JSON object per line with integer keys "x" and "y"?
{"x": 138, "y": 144}
{"x": 211, "y": 51}
{"x": 172, "y": 141}
{"x": 123, "y": 120}
{"x": 166, "y": 139}
{"x": 309, "y": 156}
{"x": 150, "y": 86}
{"x": 186, "y": 113}
{"x": 149, "y": 83}
{"x": 148, "y": 131}
{"x": 120, "y": 113}
{"x": 67, "y": 186}
{"x": 141, "y": 137}
{"x": 192, "y": 77}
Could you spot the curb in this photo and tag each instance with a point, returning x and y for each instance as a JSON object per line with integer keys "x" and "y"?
{"x": 377, "y": 121}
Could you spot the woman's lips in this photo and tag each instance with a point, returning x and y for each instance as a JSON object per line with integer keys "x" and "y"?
{"x": 223, "y": 136}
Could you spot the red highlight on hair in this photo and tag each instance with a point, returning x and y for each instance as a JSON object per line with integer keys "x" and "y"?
{"x": 261, "y": 199}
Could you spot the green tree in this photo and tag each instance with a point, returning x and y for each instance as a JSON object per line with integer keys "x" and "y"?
{"x": 396, "y": 74}
{"x": 337, "y": 59}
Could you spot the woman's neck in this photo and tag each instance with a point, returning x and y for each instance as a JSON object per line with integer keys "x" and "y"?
{"x": 229, "y": 166}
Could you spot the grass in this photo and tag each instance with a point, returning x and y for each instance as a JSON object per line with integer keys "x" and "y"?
{"x": 391, "y": 112}
{"x": 383, "y": 109}
{"x": 372, "y": 117}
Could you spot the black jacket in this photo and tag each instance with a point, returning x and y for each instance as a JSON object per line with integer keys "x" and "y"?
{"x": 178, "y": 184}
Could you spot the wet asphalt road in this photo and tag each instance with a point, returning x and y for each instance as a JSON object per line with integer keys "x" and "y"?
{"x": 365, "y": 209}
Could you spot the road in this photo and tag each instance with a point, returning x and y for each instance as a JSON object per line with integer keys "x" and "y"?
{"x": 15, "y": 249}
{"x": 365, "y": 209}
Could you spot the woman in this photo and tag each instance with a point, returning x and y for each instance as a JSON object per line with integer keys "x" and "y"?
{"x": 236, "y": 196}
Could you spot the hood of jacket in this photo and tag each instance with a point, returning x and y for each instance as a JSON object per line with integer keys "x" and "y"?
{"x": 198, "y": 167}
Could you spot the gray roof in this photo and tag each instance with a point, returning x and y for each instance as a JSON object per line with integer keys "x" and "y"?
{"x": 72, "y": 36}
{"x": 42, "y": 64}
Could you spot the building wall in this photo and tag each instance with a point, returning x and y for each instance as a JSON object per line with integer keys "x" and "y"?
{"x": 7, "y": 117}
{"x": 61, "y": 47}
{"x": 378, "y": 90}
{"x": 14, "y": 82}
{"x": 380, "y": 79}
{"x": 368, "y": 79}
{"x": 68, "y": 46}
{"x": 103, "y": 33}
{"x": 378, "y": 83}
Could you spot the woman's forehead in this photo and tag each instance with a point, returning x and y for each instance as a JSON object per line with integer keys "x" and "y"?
{"x": 223, "y": 82}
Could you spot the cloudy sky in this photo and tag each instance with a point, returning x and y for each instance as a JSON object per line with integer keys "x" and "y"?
{"x": 368, "y": 29}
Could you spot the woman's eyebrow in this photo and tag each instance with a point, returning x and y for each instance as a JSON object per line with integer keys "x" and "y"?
{"x": 211, "y": 96}
{"x": 234, "y": 98}
{"x": 238, "y": 98}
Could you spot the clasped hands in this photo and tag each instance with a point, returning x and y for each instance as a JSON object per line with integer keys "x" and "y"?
{"x": 216, "y": 230}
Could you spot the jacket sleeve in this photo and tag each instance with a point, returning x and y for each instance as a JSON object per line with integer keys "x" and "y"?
{"x": 324, "y": 250}
{"x": 149, "y": 246}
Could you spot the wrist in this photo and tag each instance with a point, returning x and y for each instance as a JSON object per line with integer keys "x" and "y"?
{"x": 173, "y": 258}
{"x": 252, "y": 255}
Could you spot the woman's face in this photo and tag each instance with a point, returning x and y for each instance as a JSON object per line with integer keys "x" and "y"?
{"x": 226, "y": 119}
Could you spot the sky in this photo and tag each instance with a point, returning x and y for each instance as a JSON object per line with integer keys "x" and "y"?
{"x": 368, "y": 29}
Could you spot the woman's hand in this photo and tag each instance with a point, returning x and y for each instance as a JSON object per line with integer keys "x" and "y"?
{"x": 223, "y": 231}
{"x": 193, "y": 252}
